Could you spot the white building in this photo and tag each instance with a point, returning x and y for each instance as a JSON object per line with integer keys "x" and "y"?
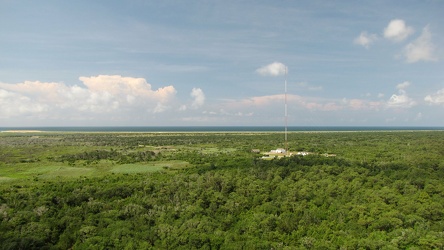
{"x": 279, "y": 151}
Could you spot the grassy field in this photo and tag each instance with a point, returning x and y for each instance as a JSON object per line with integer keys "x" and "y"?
{"x": 36, "y": 155}
{"x": 148, "y": 167}
{"x": 48, "y": 170}
{"x": 29, "y": 170}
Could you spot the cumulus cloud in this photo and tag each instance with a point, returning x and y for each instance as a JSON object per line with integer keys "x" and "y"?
{"x": 99, "y": 95}
{"x": 14, "y": 104}
{"x": 198, "y": 96}
{"x": 436, "y": 98}
{"x": 401, "y": 100}
{"x": 397, "y": 30}
{"x": 403, "y": 85}
{"x": 128, "y": 87}
{"x": 273, "y": 69}
{"x": 365, "y": 39}
{"x": 422, "y": 49}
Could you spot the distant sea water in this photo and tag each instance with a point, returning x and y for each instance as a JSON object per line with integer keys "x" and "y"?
{"x": 220, "y": 128}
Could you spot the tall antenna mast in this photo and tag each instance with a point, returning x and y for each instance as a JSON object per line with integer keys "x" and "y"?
{"x": 286, "y": 115}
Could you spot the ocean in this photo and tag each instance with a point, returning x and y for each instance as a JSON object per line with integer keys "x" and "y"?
{"x": 220, "y": 128}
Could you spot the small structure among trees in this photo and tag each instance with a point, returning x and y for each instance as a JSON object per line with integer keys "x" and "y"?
{"x": 279, "y": 151}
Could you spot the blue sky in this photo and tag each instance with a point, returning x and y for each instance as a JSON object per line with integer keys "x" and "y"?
{"x": 173, "y": 63}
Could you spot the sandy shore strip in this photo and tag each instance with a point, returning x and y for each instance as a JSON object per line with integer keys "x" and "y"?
{"x": 22, "y": 131}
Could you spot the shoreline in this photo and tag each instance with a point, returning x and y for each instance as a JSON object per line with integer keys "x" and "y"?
{"x": 21, "y": 131}
{"x": 218, "y": 129}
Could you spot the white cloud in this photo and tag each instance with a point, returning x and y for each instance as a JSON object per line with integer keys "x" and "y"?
{"x": 199, "y": 98}
{"x": 101, "y": 95}
{"x": 106, "y": 93}
{"x": 403, "y": 85}
{"x": 41, "y": 91}
{"x": 274, "y": 69}
{"x": 15, "y": 104}
{"x": 397, "y": 30}
{"x": 365, "y": 39}
{"x": 401, "y": 100}
{"x": 422, "y": 49}
{"x": 119, "y": 86}
{"x": 436, "y": 98}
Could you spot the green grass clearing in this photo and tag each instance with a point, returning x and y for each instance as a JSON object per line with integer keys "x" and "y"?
{"x": 68, "y": 172}
{"x": 20, "y": 171}
{"x": 148, "y": 167}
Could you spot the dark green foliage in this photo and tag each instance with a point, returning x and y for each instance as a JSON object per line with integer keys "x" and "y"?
{"x": 119, "y": 157}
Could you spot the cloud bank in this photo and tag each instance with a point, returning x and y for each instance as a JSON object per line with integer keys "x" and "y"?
{"x": 128, "y": 100}
{"x": 98, "y": 96}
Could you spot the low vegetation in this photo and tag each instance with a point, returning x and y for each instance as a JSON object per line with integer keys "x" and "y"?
{"x": 382, "y": 190}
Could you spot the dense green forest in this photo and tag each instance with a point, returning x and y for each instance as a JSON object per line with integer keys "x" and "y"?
{"x": 382, "y": 190}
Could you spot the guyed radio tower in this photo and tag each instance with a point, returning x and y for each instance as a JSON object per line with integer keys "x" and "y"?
{"x": 286, "y": 114}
